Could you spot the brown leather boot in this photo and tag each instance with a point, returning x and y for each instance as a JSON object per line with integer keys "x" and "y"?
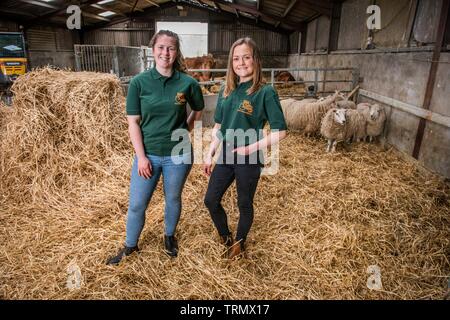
{"x": 236, "y": 250}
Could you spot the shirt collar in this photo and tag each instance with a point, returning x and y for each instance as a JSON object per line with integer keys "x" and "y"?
{"x": 156, "y": 75}
{"x": 245, "y": 85}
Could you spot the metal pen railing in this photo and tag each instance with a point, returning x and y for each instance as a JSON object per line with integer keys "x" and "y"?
{"x": 352, "y": 78}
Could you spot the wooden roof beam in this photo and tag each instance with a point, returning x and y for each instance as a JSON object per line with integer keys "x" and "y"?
{"x": 57, "y": 11}
{"x": 17, "y": 12}
{"x": 129, "y": 16}
{"x": 209, "y": 6}
{"x": 129, "y": 5}
{"x": 289, "y": 8}
{"x": 106, "y": 9}
{"x": 244, "y": 19}
{"x": 40, "y": 4}
{"x": 318, "y": 6}
{"x": 94, "y": 16}
{"x": 152, "y": 3}
{"x": 255, "y": 12}
{"x": 217, "y": 7}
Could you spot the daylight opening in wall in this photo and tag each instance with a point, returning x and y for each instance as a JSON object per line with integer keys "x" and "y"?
{"x": 193, "y": 36}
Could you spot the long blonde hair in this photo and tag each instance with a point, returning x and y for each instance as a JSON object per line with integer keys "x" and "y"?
{"x": 232, "y": 78}
{"x": 179, "y": 60}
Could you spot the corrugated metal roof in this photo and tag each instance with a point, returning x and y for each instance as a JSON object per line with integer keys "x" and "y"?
{"x": 286, "y": 15}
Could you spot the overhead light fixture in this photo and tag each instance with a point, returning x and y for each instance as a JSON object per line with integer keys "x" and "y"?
{"x": 180, "y": 8}
{"x": 105, "y": 1}
{"x": 106, "y": 13}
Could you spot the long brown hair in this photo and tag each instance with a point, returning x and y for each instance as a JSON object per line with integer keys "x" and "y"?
{"x": 179, "y": 60}
{"x": 232, "y": 78}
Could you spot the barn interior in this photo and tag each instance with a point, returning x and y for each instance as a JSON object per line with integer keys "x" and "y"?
{"x": 323, "y": 223}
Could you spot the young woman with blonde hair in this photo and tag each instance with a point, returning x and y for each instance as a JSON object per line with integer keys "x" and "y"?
{"x": 245, "y": 104}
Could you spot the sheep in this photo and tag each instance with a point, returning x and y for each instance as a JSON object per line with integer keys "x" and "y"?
{"x": 363, "y": 106}
{"x": 305, "y": 115}
{"x": 333, "y": 127}
{"x": 355, "y": 128}
{"x": 310, "y": 100}
{"x": 375, "y": 121}
{"x": 286, "y": 104}
{"x": 291, "y": 109}
{"x": 345, "y": 104}
{"x": 288, "y": 109}
{"x": 314, "y": 112}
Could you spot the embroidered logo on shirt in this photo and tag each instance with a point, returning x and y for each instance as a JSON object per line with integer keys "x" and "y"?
{"x": 180, "y": 99}
{"x": 246, "y": 107}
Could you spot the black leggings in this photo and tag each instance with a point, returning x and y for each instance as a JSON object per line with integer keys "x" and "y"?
{"x": 247, "y": 177}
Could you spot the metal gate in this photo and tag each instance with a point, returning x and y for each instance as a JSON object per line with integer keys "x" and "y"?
{"x": 316, "y": 81}
{"x": 321, "y": 80}
{"x": 120, "y": 60}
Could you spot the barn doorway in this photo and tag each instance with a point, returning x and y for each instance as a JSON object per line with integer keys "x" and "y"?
{"x": 193, "y": 36}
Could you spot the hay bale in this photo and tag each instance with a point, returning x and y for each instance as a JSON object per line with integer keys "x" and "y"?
{"x": 5, "y": 112}
{"x": 64, "y": 126}
{"x": 215, "y": 89}
{"x": 205, "y": 91}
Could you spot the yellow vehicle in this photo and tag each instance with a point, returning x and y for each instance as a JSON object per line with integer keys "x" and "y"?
{"x": 13, "y": 61}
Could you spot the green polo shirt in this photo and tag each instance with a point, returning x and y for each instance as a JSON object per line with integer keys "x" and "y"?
{"x": 161, "y": 103}
{"x": 242, "y": 111}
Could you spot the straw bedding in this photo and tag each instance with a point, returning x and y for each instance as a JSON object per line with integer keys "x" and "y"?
{"x": 291, "y": 89}
{"x": 319, "y": 223}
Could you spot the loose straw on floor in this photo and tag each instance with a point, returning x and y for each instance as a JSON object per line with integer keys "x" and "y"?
{"x": 319, "y": 223}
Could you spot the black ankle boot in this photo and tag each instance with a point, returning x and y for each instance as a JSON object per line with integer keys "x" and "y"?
{"x": 171, "y": 245}
{"x": 125, "y": 251}
{"x": 227, "y": 240}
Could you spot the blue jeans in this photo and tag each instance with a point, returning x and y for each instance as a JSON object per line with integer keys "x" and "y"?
{"x": 141, "y": 191}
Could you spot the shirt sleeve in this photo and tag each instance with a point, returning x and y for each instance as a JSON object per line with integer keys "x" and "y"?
{"x": 133, "y": 106}
{"x": 272, "y": 108}
{"x": 218, "y": 114}
{"x": 195, "y": 99}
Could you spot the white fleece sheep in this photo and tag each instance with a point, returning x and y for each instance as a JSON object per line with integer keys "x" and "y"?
{"x": 286, "y": 107}
{"x": 362, "y": 105}
{"x": 305, "y": 115}
{"x": 333, "y": 127}
{"x": 355, "y": 126}
{"x": 375, "y": 121}
{"x": 345, "y": 104}
{"x": 291, "y": 110}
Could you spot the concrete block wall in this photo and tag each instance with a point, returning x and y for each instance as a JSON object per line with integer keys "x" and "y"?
{"x": 395, "y": 19}
{"x": 435, "y": 150}
{"x": 353, "y": 30}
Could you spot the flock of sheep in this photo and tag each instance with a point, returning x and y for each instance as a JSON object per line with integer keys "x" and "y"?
{"x": 336, "y": 118}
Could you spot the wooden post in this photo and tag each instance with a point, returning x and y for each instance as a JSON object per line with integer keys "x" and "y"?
{"x": 432, "y": 75}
